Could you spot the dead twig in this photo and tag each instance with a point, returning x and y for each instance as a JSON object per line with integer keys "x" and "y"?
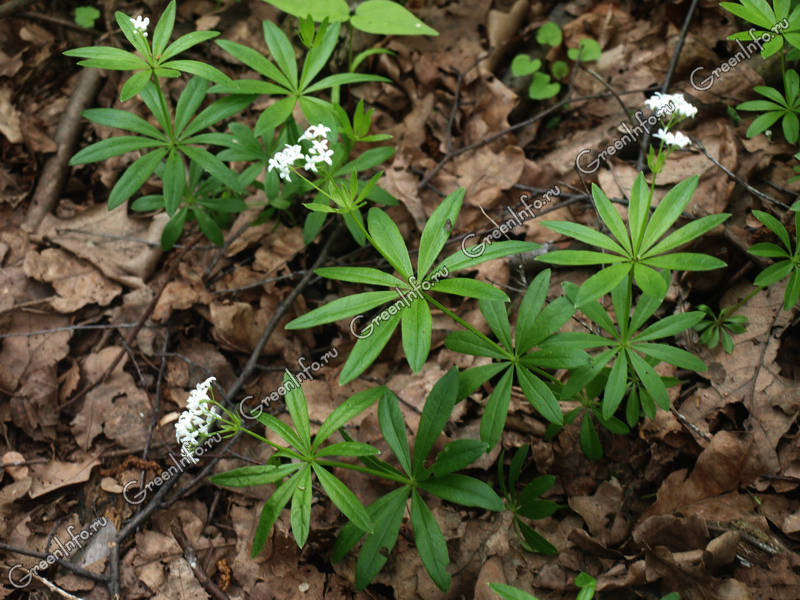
{"x": 191, "y": 557}
{"x": 64, "y": 563}
{"x": 739, "y": 180}
{"x": 55, "y": 169}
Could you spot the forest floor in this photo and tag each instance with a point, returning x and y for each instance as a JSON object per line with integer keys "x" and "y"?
{"x": 702, "y": 500}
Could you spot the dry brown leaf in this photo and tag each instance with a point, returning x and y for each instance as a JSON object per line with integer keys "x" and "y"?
{"x": 57, "y": 474}
{"x": 76, "y": 283}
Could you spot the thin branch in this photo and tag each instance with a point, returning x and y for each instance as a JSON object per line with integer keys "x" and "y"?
{"x": 190, "y": 556}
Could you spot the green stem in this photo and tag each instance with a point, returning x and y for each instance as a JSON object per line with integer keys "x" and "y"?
{"x": 463, "y": 323}
{"x": 367, "y": 470}
{"x": 163, "y": 101}
{"x": 731, "y": 310}
{"x": 273, "y": 444}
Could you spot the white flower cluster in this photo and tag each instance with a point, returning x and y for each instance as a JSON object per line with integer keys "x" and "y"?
{"x": 678, "y": 139}
{"x": 140, "y": 24}
{"x": 666, "y": 104}
{"x": 196, "y": 420}
{"x": 291, "y": 153}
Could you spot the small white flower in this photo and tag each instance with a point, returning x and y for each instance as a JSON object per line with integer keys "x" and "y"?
{"x": 194, "y": 423}
{"x": 314, "y": 131}
{"x": 319, "y": 146}
{"x": 666, "y": 104}
{"x": 323, "y": 157}
{"x": 310, "y": 165}
{"x": 677, "y": 139}
{"x": 140, "y": 24}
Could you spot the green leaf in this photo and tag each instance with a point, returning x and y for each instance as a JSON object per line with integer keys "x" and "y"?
{"x": 763, "y": 122}
{"x": 272, "y": 508}
{"x": 601, "y": 283}
{"x": 274, "y": 115}
{"x": 555, "y": 355}
{"x": 195, "y": 67}
{"x": 523, "y": 65}
{"x": 115, "y": 146}
{"x": 393, "y": 428}
{"x": 366, "y": 275}
{"x": 368, "y": 347}
{"x": 651, "y": 380}
{"x": 536, "y": 488}
{"x": 214, "y": 113}
{"x": 387, "y": 513}
{"x": 150, "y": 96}
{"x": 615, "y": 386}
{"x": 135, "y": 84}
{"x": 507, "y": 592}
{"x": 354, "y": 405}
{"x": 531, "y": 306}
{"x": 580, "y": 257}
{"x": 469, "y": 380}
{"x": 173, "y": 229}
{"x": 638, "y": 210}
{"x": 339, "y": 79}
{"x": 541, "y": 87}
{"x": 463, "y": 490}
{"x": 470, "y": 288}
{"x": 669, "y": 326}
{"x": 183, "y": 43}
{"x": 136, "y": 39}
{"x": 668, "y": 211}
{"x": 610, "y": 217}
{"x": 430, "y": 541}
{"x": 250, "y": 476}
{"x": 214, "y": 166}
{"x": 348, "y": 449}
{"x": 344, "y": 499}
{"x": 134, "y": 177}
{"x": 281, "y": 428}
{"x": 775, "y": 227}
{"x": 319, "y": 10}
{"x": 687, "y": 233}
{"x": 417, "y": 329}
{"x": 773, "y": 273}
{"x": 535, "y": 542}
{"x": 478, "y": 254}
{"x": 672, "y": 355}
{"x": 281, "y": 49}
{"x": 437, "y": 231}
{"x": 301, "y": 507}
{"x": 190, "y": 100}
{"x": 496, "y": 410}
{"x": 589, "y": 440}
{"x": 515, "y": 468}
{"x": 122, "y": 119}
{"x": 298, "y": 410}
{"x": 467, "y": 342}
{"x": 106, "y": 57}
{"x": 85, "y": 16}
{"x": 174, "y": 178}
{"x": 550, "y": 320}
{"x": 342, "y": 308}
{"x": 497, "y": 318}
{"x": 538, "y": 509}
{"x": 318, "y": 56}
{"x": 540, "y": 396}
{"x": 458, "y": 455}
{"x": 768, "y": 250}
{"x": 587, "y": 235}
{"x": 588, "y": 50}
{"x": 435, "y": 415}
{"x": 163, "y": 30}
{"x": 382, "y": 17}
{"x": 389, "y": 241}
{"x": 550, "y": 34}
{"x": 649, "y": 281}
{"x": 792, "y": 293}
{"x": 256, "y": 61}
{"x": 685, "y": 261}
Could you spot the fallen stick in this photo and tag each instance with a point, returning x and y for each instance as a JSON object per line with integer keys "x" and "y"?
{"x": 55, "y": 169}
